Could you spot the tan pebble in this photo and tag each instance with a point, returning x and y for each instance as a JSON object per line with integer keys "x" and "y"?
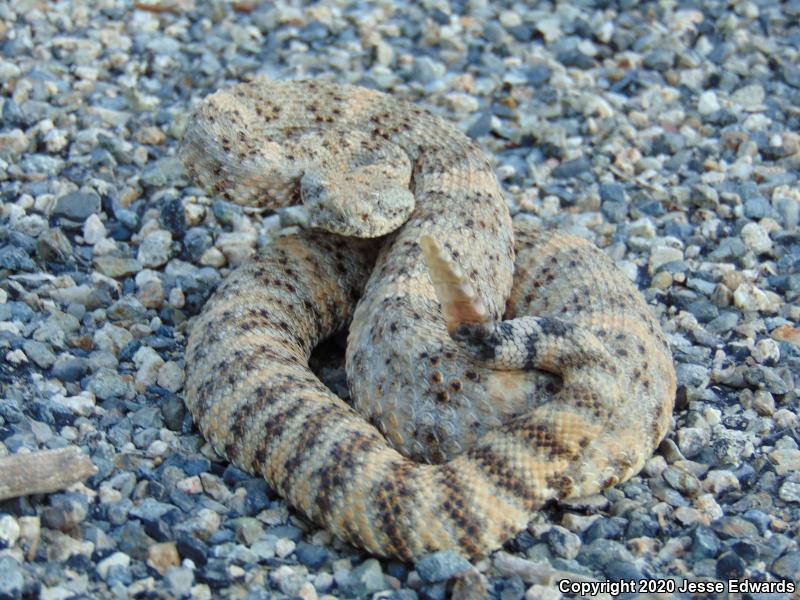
{"x": 212, "y": 258}
{"x": 662, "y": 280}
{"x": 163, "y": 556}
{"x": 787, "y": 333}
{"x": 150, "y": 135}
{"x": 171, "y": 376}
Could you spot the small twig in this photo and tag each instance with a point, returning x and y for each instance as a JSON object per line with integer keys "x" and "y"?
{"x": 637, "y": 180}
{"x": 43, "y": 472}
{"x": 157, "y": 8}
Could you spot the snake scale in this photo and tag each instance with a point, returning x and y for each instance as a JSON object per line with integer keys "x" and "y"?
{"x": 464, "y": 424}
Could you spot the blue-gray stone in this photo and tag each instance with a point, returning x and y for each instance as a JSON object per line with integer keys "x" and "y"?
{"x": 615, "y": 212}
{"x": 133, "y": 539}
{"x": 641, "y": 524}
{"x": 15, "y": 259}
{"x": 22, "y": 240}
{"x": 127, "y": 308}
{"x": 287, "y": 531}
{"x": 703, "y": 310}
{"x": 538, "y": 75}
{"x": 757, "y": 208}
{"x": 107, "y": 384}
{"x": 311, "y": 555}
{"x": 12, "y": 114}
{"x": 77, "y": 206}
{"x": 572, "y": 168}
{"x": 562, "y": 542}
{"x": 366, "y": 579}
{"x": 404, "y": 594}
{"x": 601, "y": 552}
{"x": 70, "y": 369}
{"x": 730, "y": 566}
{"x": 16, "y": 310}
{"x": 119, "y": 574}
{"x": 728, "y": 249}
{"x": 659, "y": 59}
{"x": 758, "y": 518}
{"x": 723, "y": 323}
{"x": 147, "y": 417}
{"x": 612, "y": 192}
{"x": 620, "y": 570}
{"x": 225, "y": 211}
{"x": 117, "y": 512}
{"x": 481, "y": 126}
{"x": 734, "y": 527}
{"x": 787, "y": 566}
{"x": 11, "y": 581}
{"x": 705, "y": 543}
{"x": 196, "y": 241}
{"x": 605, "y": 528}
{"x": 165, "y": 171}
{"x": 441, "y": 566}
{"x": 575, "y": 58}
{"x": 39, "y": 353}
{"x": 258, "y": 496}
{"x": 434, "y": 591}
{"x": 314, "y": 31}
{"x": 397, "y": 569}
{"x": 66, "y": 511}
{"x": 152, "y": 510}
{"x": 215, "y": 574}
{"x": 190, "y": 547}
{"x": 42, "y": 165}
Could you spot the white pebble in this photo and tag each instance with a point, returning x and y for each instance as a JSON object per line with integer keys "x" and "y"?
{"x": 93, "y": 230}
{"x": 749, "y": 297}
{"x": 756, "y": 238}
{"x": 708, "y": 103}
{"x": 284, "y": 547}
{"x": 9, "y": 531}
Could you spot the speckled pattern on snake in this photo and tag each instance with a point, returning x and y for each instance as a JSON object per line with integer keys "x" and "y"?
{"x": 463, "y": 424}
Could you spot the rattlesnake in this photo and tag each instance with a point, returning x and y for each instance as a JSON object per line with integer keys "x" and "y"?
{"x": 511, "y": 413}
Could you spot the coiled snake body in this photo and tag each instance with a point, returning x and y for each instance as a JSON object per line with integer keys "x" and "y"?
{"x": 567, "y": 397}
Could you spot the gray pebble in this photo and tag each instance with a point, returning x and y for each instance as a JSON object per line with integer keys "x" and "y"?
{"x": 117, "y": 266}
{"x": 39, "y": 353}
{"x": 107, "y": 384}
{"x": 66, "y": 511}
{"x": 15, "y": 259}
{"x": 127, "y": 308}
{"x": 563, "y": 543}
{"x": 365, "y": 579}
{"x": 11, "y": 580}
{"x": 77, "y": 205}
{"x": 787, "y": 566}
{"x": 659, "y": 59}
{"x": 196, "y": 241}
{"x": 70, "y": 368}
{"x": 179, "y": 581}
{"x": 54, "y": 246}
{"x": 166, "y": 171}
{"x": 441, "y": 566}
{"x": 311, "y": 555}
{"x": 572, "y": 168}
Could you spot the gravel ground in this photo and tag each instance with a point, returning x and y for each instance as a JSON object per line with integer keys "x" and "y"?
{"x": 666, "y": 132}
